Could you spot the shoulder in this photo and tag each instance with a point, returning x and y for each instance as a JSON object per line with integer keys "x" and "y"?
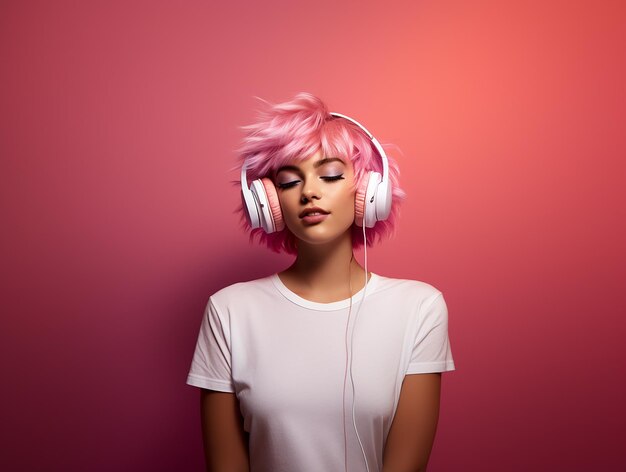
{"x": 241, "y": 292}
{"x": 416, "y": 291}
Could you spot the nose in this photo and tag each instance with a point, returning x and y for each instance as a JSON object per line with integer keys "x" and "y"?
{"x": 310, "y": 191}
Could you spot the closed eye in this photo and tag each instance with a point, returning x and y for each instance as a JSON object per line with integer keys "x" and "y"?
{"x": 293, "y": 183}
{"x": 287, "y": 184}
{"x": 333, "y": 177}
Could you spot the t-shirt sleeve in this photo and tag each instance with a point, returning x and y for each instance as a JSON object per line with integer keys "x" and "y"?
{"x": 211, "y": 363}
{"x": 430, "y": 344}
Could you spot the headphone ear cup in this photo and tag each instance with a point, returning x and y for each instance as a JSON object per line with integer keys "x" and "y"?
{"x": 359, "y": 199}
{"x": 250, "y": 208}
{"x": 371, "y": 199}
{"x": 263, "y": 208}
{"x": 274, "y": 204}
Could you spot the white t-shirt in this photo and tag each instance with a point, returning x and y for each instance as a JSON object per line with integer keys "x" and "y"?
{"x": 285, "y": 359}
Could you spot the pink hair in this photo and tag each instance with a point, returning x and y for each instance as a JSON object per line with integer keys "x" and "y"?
{"x": 295, "y": 130}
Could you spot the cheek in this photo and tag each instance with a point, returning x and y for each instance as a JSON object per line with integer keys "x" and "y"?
{"x": 288, "y": 209}
{"x": 344, "y": 206}
{"x": 348, "y": 198}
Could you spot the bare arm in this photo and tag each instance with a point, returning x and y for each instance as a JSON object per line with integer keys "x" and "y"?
{"x": 412, "y": 432}
{"x": 225, "y": 441}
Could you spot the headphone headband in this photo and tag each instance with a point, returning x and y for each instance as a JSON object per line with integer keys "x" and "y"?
{"x": 379, "y": 148}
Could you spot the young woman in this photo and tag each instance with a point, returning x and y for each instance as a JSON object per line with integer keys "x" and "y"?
{"x": 323, "y": 367}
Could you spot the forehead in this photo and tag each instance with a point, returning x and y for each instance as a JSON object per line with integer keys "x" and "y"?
{"x": 316, "y": 161}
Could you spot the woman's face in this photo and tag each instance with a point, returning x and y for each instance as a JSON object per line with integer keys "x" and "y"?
{"x": 322, "y": 182}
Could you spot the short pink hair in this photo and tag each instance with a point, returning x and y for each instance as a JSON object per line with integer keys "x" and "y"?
{"x": 295, "y": 130}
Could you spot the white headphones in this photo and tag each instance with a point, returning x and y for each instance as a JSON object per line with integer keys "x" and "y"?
{"x": 372, "y": 199}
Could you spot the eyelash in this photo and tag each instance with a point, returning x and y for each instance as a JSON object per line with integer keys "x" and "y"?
{"x": 332, "y": 178}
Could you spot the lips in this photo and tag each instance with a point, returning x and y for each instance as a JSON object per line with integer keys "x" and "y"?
{"x": 312, "y": 211}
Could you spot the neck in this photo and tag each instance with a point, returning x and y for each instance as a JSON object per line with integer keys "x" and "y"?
{"x": 326, "y": 269}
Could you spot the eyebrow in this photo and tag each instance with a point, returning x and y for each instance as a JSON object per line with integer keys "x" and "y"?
{"x": 319, "y": 163}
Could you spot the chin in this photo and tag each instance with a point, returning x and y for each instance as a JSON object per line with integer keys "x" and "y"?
{"x": 323, "y": 237}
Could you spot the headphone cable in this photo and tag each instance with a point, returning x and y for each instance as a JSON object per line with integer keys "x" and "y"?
{"x": 350, "y": 357}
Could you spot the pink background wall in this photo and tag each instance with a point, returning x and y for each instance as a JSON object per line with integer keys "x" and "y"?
{"x": 118, "y": 122}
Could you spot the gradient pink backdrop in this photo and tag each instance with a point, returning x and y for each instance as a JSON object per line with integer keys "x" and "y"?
{"x": 118, "y": 124}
